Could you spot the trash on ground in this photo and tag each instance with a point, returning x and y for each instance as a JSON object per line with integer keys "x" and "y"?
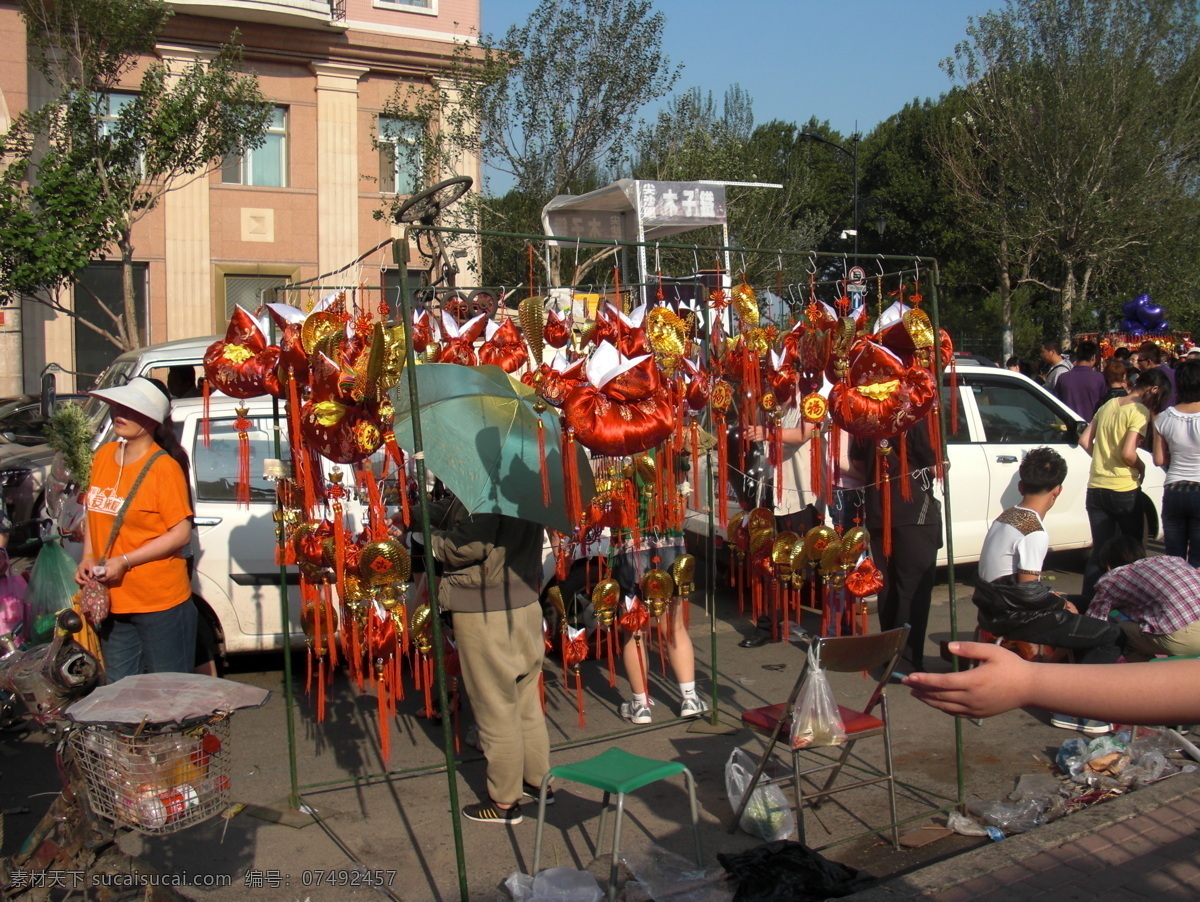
{"x": 1091, "y": 772}
{"x": 660, "y": 875}
{"x": 554, "y": 885}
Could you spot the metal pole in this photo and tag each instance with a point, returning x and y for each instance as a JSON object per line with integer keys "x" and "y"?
{"x": 400, "y": 255}
{"x": 949, "y": 518}
{"x": 856, "y": 193}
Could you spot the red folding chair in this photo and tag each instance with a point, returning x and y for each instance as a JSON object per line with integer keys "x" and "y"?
{"x": 842, "y": 654}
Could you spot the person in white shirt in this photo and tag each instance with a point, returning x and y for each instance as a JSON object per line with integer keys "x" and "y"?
{"x": 1012, "y": 600}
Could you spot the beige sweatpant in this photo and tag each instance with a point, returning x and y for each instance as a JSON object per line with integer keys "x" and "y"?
{"x": 501, "y": 655}
{"x": 1181, "y": 642}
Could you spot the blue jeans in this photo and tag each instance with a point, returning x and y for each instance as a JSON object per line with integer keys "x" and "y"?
{"x": 158, "y": 642}
{"x": 1181, "y": 524}
{"x": 1110, "y": 514}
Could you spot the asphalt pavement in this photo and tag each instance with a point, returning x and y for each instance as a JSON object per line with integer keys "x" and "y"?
{"x": 388, "y": 823}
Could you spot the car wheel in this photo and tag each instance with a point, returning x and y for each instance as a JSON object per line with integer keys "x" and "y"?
{"x": 209, "y": 641}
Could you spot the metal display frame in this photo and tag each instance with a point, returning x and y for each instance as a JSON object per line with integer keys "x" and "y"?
{"x": 401, "y": 313}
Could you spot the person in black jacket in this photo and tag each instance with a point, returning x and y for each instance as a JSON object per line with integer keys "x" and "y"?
{"x": 910, "y": 570}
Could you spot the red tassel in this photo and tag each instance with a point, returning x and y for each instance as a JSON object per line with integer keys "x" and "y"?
{"x": 816, "y": 462}
{"x": 611, "y": 641}
{"x": 382, "y": 707}
{"x": 905, "y": 477}
{"x": 695, "y": 433}
{"x": 320, "y": 689}
{"x": 722, "y": 487}
{"x": 885, "y": 495}
{"x": 242, "y": 425}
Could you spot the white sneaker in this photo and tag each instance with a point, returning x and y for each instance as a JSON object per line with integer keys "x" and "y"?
{"x": 1082, "y": 724}
{"x": 635, "y": 712}
{"x": 693, "y": 706}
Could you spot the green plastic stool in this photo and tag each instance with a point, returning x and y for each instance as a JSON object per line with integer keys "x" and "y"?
{"x": 616, "y": 771}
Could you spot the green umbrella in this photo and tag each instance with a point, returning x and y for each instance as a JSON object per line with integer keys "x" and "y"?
{"x": 480, "y": 434}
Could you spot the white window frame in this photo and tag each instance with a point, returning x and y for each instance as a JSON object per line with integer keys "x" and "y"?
{"x": 244, "y": 161}
{"x": 420, "y": 7}
{"x": 109, "y": 117}
{"x": 393, "y": 141}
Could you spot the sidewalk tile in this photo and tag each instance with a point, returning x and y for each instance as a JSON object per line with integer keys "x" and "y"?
{"x": 978, "y": 886}
{"x": 952, "y": 894}
{"x": 1185, "y": 870}
{"x": 1093, "y": 843}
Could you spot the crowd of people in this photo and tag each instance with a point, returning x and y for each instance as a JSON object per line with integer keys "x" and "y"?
{"x": 1131, "y": 607}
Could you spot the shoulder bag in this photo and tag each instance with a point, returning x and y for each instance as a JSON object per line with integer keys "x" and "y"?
{"x": 93, "y": 597}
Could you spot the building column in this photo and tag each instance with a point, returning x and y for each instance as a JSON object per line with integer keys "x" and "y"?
{"x": 188, "y": 247}
{"x": 337, "y": 163}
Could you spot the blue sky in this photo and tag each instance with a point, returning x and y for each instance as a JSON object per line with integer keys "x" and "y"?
{"x": 844, "y": 61}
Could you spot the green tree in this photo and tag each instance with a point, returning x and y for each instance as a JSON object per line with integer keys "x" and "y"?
{"x": 1078, "y": 144}
{"x": 86, "y": 167}
{"x": 550, "y": 104}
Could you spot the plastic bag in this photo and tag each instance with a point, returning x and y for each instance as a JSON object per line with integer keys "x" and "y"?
{"x": 1011, "y": 817}
{"x": 51, "y": 587}
{"x": 815, "y": 719}
{"x": 768, "y": 815}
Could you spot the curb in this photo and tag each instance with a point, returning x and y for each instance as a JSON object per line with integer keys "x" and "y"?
{"x": 1015, "y": 849}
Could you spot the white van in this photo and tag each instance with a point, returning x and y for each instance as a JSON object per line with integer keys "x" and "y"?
{"x": 236, "y": 581}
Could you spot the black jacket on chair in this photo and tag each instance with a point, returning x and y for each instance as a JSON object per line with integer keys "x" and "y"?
{"x": 1006, "y": 605}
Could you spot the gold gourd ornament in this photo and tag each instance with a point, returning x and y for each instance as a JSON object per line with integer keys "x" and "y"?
{"x": 817, "y": 539}
{"x": 798, "y": 561}
{"x": 532, "y": 314}
{"x": 745, "y": 303}
{"x": 420, "y": 627}
{"x": 554, "y": 593}
{"x": 855, "y": 541}
{"x": 384, "y": 563}
{"x": 604, "y": 601}
{"x": 316, "y": 327}
{"x": 761, "y": 520}
{"x": 657, "y": 590}
{"x": 668, "y": 337}
{"x": 683, "y": 571}
{"x": 781, "y": 554}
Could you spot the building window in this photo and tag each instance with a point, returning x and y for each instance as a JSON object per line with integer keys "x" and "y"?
{"x": 264, "y": 166}
{"x": 99, "y": 288}
{"x": 399, "y": 154}
{"x": 422, "y": 6}
{"x": 111, "y": 105}
{"x": 248, "y": 291}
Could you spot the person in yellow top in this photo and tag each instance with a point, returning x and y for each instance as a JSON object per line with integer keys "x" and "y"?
{"x": 152, "y": 624}
{"x": 1120, "y": 427}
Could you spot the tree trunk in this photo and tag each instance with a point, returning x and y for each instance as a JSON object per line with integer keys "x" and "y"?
{"x": 1006, "y": 313}
{"x": 1068, "y": 304}
{"x": 131, "y": 329}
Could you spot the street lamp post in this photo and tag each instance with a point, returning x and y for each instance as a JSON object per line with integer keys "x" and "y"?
{"x": 853, "y": 155}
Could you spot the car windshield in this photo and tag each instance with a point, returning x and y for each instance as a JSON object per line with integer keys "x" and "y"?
{"x": 117, "y": 374}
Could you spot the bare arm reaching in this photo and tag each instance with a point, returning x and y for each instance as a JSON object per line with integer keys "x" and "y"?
{"x": 1153, "y": 693}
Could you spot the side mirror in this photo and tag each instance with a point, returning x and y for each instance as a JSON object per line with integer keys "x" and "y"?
{"x": 49, "y": 393}
{"x": 1075, "y": 430}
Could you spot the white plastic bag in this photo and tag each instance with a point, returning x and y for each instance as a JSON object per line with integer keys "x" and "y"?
{"x": 768, "y": 815}
{"x": 815, "y": 719}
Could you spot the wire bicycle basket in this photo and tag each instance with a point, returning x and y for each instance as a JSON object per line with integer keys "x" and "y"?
{"x": 156, "y": 779}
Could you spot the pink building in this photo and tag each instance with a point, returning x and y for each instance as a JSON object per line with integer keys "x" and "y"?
{"x": 299, "y": 206}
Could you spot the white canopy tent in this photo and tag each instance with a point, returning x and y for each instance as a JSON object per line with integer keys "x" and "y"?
{"x": 636, "y": 210}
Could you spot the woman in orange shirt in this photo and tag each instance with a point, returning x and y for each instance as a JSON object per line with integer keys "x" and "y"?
{"x": 152, "y": 624}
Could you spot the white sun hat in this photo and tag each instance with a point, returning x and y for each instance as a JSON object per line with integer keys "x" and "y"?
{"x": 139, "y": 395}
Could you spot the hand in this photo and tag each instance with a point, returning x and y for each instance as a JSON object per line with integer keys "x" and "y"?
{"x": 999, "y": 683}
{"x": 114, "y": 570}
{"x": 1069, "y": 607}
{"x": 757, "y": 433}
{"x": 83, "y": 573}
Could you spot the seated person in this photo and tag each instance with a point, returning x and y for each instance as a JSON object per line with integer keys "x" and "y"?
{"x": 1159, "y": 595}
{"x": 1012, "y": 600}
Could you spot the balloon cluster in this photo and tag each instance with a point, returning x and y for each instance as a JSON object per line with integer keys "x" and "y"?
{"x": 1141, "y": 315}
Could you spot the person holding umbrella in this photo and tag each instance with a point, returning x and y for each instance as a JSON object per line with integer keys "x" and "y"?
{"x": 491, "y": 582}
